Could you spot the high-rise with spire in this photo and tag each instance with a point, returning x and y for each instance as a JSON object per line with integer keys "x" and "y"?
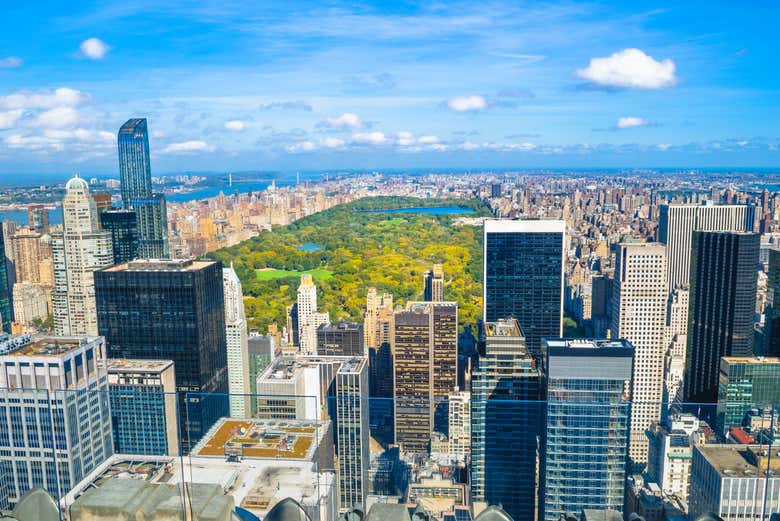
{"x": 81, "y": 249}
{"x": 136, "y": 179}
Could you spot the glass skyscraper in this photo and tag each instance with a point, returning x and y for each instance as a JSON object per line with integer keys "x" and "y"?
{"x": 123, "y": 227}
{"x": 745, "y": 383}
{"x": 135, "y": 176}
{"x": 523, "y": 277}
{"x": 5, "y": 298}
{"x": 171, "y": 310}
{"x": 585, "y": 439}
{"x": 505, "y": 421}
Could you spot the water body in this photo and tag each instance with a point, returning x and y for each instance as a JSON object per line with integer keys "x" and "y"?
{"x": 432, "y": 210}
{"x": 20, "y": 216}
{"x": 310, "y": 247}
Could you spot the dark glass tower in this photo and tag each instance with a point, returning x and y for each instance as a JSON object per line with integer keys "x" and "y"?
{"x": 340, "y": 339}
{"x": 523, "y": 277}
{"x": 586, "y": 434}
{"x": 722, "y": 307}
{"x": 772, "y": 310}
{"x": 123, "y": 226}
{"x": 5, "y": 297}
{"x": 171, "y": 310}
{"x": 136, "y": 179}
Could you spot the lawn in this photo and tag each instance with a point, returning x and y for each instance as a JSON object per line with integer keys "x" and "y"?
{"x": 273, "y": 274}
{"x": 395, "y": 221}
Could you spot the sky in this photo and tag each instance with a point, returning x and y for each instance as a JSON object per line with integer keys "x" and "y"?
{"x": 249, "y": 85}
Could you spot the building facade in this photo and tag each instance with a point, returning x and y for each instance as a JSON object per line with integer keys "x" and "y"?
{"x": 722, "y": 307}
{"x": 745, "y": 383}
{"x": 340, "y": 339}
{"x": 433, "y": 281}
{"x": 308, "y": 317}
{"x": 523, "y": 266}
{"x": 352, "y": 430}
{"x": 123, "y": 227}
{"x": 171, "y": 310}
{"x": 586, "y": 433}
{"x": 31, "y": 303}
{"x": 237, "y": 339}
{"x": 378, "y": 320}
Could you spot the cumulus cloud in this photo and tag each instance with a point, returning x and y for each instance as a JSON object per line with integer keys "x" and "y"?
{"x": 10, "y": 62}
{"x": 78, "y": 140}
{"x": 235, "y": 125}
{"x": 287, "y": 105}
{"x": 467, "y": 103}
{"x": 186, "y": 147}
{"x": 333, "y": 142}
{"x": 346, "y": 120}
{"x": 301, "y": 146}
{"x": 94, "y": 48}
{"x": 9, "y": 118}
{"x": 427, "y": 140}
{"x": 61, "y": 97}
{"x": 631, "y": 122}
{"x": 630, "y": 68}
{"x": 58, "y": 117}
{"x": 405, "y": 138}
{"x": 370, "y": 138}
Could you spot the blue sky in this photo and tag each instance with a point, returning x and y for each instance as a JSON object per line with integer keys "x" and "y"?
{"x": 232, "y": 85}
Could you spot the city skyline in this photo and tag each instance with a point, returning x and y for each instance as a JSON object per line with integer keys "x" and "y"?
{"x": 374, "y": 86}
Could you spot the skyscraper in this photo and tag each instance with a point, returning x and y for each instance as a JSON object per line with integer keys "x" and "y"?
{"x": 426, "y": 371}
{"x": 308, "y": 317}
{"x": 123, "y": 227}
{"x": 261, "y": 353}
{"x": 676, "y": 342}
{"x": 29, "y": 249}
{"x": 171, "y": 310}
{"x": 639, "y": 298}
{"x": 38, "y": 218}
{"x": 352, "y": 414}
{"x": 237, "y": 338}
{"x": 433, "y": 281}
{"x": 340, "y": 339}
{"x": 772, "y": 310}
{"x": 678, "y": 222}
{"x": 136, "y": 183}
{"x": 81, "y": 249}
{"x": 586, "y": 429}
{"x": 378, "y": 320}
{"x": 523, "y": 277}
{"x": 53, "y": 395}
{"x": 6, "y": 314}
{"x": 505, "y": 421}
{"x": 722, "y": 306}
{"x": 745, "y": 383}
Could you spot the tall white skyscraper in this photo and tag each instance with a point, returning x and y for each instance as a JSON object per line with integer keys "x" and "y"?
{"x": 678, "y": 222}
{"x": 639, "y": 315}
{"x": 676, "y": 343}
{"x": 308, "y": 317}
{"x": 237, "y": 344}
{"x": 81, "y": 249}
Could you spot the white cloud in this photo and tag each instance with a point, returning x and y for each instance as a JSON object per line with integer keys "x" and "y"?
{"x": 185, "y": 147}
{"x": 346, "y": 120}
{"x": 333, "y": 142}
{"x": 370, "y": 138}
{"x": 663, "y": 146}
{"x": 630, "y": 68}
{"x": 467, "y": 103}
{"x": 235, "y": 124}
{"x": 11, "y": 62}
{"x": 427, "y": 140}
{"x": 94, "y": 48}
{"x": 58, "y": 117}
{"x": 301, "y": 146}
{"x": 743, "y": 143}
{"x": 44, "y": 99}
{"x": 405, "y": 138}
{"x": 8, "y": 119}
{"x": 631, "y": 122}
{"x": 78, "y": 140}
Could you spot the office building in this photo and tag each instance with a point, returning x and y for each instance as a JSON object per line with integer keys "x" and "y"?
{"x": 678, "y": 222}
{"x": 81, "y": 249}
{"x": 772, "y": 309}
{"x": 237, "y": 338}
{"x": 38, "y": 218}
{"x": 745, "y": 383}
{"x": 523, "y": 265}
{"x": 352, "y": 432}
{"x": 136, "y": 184}
{"x": 426, "y": 371}
{"x": 6, "y": 314}
{"x": 290, "y": 389}
{"x": 340, "y": 339}
{"x": 102, "y": 201}
{"x": 505, "y": 421}
{"x": 722, "y": 305}
{"x": 730, "y": 481}
{"x": 433, "y": 281}
{"x": 143, "y": 406}
{"x": 378, "y": 320}
{"x": 308, "y": 317}
{"x": 586, "y": 433}
{"x": 460, "y": 424}
{"x": 639, "y": 298}
{"x": 123, "y": 227}
{"x": 31, "y": 303}
{"x": 495, "y": 190}
{"x": 676, "y": 344}
{"x": 671, "y": 452}
{"x": 262, "y": 349}
{"x": 171, "y": 310}
{"x": 29, "y": 250}
{"x": 55, "y": 411}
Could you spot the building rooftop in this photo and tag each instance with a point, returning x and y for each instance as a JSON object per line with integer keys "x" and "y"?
{"x": 503, "y": 328}
{"x": 751, "y": 359}
{"x": 26, "y": 345}
{"x": 734, "y": 460}
{"x": 588, "y": 344}
{"x": 160, "y": 265}
{"x": 126, "y": 365}
{"x": 262, "y": 439}
{"x": 342, "y": 325}
{"x": 131, "y": 126}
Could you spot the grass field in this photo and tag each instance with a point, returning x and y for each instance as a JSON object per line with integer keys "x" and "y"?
{"x": 273, "y": 274}
{"x": 395, "y": 221}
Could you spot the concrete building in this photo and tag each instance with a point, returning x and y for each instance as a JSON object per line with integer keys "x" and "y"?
{"x": 352, "y": 415}
{"x": 29, "y": 250}
{"x": 340, "y": 339}
{"x": 237, "y": 339}
{"x": 677, "y": 224}
{"x": 262, "y": 351}
{"x": 143, "y": 406}
{"x": 31, "y": 302}
{"x": 80, "y": 250}
{"x": 730, "y": 481}
{"x": 671, "y": 452}
{"x": 378, "y": 320}
{"x": 460, "y": 424}
{"x": 639, "y": 298}
{"x": 676, "y": 342}
{"x": 308, "y": 317}
{"x": 63, "y": 385}
{"x": 426, "y": 371}
{"x": 433, "y": 282}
